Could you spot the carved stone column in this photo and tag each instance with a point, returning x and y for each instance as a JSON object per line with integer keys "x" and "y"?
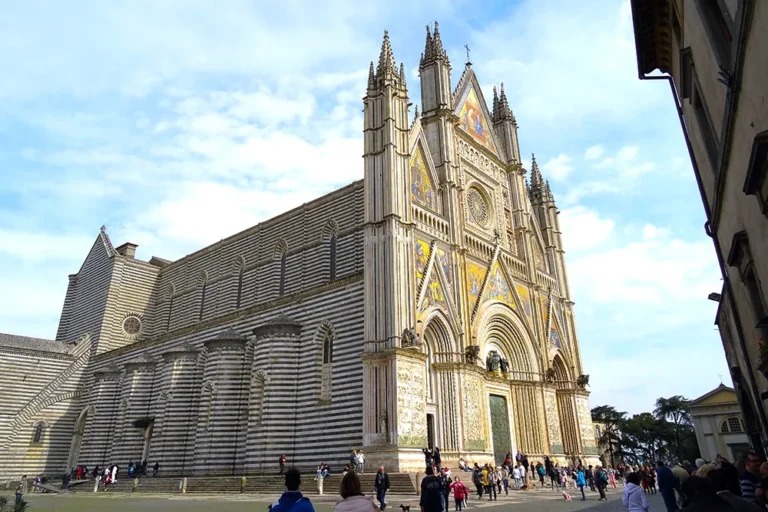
{"x": 176, "y": 419}
{"x": 220, "y": 419}
{"x": 273, "y": 386}
{"x": 96, "y": 447}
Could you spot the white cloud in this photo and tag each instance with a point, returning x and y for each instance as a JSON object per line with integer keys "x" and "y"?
{"x": 583, "y": 229}
{"x": 557, "y": 167}
{"x": 594, "y": 152}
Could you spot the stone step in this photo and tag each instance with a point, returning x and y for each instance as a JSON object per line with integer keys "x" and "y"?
{"x": 400, "y": 483}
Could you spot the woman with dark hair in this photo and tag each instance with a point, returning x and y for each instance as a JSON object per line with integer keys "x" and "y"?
{"x": 634, "y": 497}
{"x": 354, "y": 500}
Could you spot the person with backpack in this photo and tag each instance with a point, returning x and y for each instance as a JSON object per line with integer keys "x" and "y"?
{"x": 292, "y": 500}
{"x": 601, "y": 482}
{"x": 540, "y": 470}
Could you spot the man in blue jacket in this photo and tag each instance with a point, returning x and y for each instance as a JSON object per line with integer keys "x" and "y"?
{"x": 667, "y": 483}
{"x": 292, "y": 500}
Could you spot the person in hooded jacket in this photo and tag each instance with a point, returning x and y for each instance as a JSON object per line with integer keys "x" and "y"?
{"x": 292, "y": 500}
{"x": 581, "y": 482}
{"x": 634, "y": 497}
{"x": 353, "y": 498}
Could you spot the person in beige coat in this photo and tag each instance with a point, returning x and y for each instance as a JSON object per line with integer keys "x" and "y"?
{"x": 354, "y": 500}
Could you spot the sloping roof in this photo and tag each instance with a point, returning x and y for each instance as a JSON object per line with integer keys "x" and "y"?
{"x": 722, "y": 394}
{"x": 38, "y": 344}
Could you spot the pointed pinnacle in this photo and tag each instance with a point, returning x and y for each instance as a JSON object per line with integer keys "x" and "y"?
{"x": 416, "y": 113}
{"x": 371, "y": 80}
{"x": 386, "y": 58}
{"x": 428, "y": 46}
{"x": 495, "y": 113}
{"x": 402, "y": 73}
{"x": 535, "y": 173}
{"x": 438, "y": 44}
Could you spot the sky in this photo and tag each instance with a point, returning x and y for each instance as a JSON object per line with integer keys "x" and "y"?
{"x": 178, "y": 123}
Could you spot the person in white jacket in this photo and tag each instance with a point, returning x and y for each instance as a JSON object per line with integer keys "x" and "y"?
{"x": 634, "y": 497}
{"x": 354, "y": 501}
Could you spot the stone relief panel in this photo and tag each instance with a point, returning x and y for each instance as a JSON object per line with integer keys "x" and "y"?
{"x": 411, "y": 404}
{"x": 585, "y": 425}
{"x": 553, "y": 421}
{"x": 474, "y": 413}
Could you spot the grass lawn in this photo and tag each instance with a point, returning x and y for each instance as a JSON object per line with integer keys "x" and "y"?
{"x": 121, "y": 503}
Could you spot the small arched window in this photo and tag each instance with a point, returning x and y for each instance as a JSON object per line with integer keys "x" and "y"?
{"x": 327, "y": 368}
{"x": 283, "y": 264}
{"x": 39, "y": 429}
{"x": 333, "y": 257}
{"x": 732, "y": 425}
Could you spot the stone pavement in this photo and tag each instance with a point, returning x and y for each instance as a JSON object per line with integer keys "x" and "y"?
{"x": 539, "y": 500}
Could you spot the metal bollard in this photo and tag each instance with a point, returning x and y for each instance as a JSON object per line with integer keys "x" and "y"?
{"x": 135, "y": 484}
{"x": 242, "y": 485}
{"x": 184, "y": 485}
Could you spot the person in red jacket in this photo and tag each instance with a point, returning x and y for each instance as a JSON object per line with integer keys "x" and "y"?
{"x": 459, "y": 493}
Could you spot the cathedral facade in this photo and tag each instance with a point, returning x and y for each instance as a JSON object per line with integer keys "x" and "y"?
{"x": 426, "y": 305}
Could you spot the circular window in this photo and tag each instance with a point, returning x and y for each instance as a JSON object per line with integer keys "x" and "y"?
{"x": 132, "y": 325}
{"x": 478, "y": 206}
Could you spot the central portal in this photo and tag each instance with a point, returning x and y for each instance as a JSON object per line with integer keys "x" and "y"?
{"x": 502, "y": 443}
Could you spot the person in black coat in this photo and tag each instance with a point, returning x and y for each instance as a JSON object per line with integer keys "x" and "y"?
{"x": 381, "y": 485}
{"x": 437, "y": 459}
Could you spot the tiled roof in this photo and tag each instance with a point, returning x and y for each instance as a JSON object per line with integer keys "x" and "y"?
{"x": 39, "y": 344}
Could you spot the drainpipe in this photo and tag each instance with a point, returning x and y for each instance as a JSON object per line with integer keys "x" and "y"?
{"x": 708, "y": 229}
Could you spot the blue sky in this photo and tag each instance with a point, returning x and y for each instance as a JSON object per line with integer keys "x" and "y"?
{"x": 179, "y": 123}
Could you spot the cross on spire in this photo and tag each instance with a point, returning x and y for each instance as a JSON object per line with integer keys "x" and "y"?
{"x": 469, "y": 63}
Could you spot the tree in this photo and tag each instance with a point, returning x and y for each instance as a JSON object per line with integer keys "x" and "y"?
{"x": 610, "y": 434}
{"x": 676, "y": 413}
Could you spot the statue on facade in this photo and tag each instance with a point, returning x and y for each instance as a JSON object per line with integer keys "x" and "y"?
{"x": 583, "y": 381}
{"x": 410, "y": 338}
{"x": 550, "y": 376}
{"x": 383, "y": 423}
{"x": 472, "y": 354}
{"x": 493, "y": 361}
{"x": 504, "y": 364}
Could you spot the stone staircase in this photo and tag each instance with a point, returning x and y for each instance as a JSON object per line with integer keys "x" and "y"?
{"x": 400, "y": 483}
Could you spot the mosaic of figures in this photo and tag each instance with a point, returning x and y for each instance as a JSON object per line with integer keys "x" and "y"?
{"x": 475, "y": 279}
{"x": 434, "y": 295}
{"x": 422, "y": 252}
{"x": 422, "y": 189}
{"x": 473, "y": 121}
{"x": 498, "y": 288}
{"x": 525, "y": 299}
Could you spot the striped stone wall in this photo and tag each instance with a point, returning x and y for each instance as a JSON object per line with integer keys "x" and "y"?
{"x": 217, "y": 410}
{"x": 40, "y": 388}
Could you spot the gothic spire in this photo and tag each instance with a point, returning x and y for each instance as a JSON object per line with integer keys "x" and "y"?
{"x": 402, "y": 73}
{"x": 371, "y": 79}
{"x": 495, "y": 114}
{"x": 433, "y": 49}
{"x": 386, "y": 65}
{"x": 536, "y": 179}
{"x": 547, "y": 195}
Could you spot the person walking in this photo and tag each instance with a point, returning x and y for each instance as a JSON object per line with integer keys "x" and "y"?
{"x": 477, "y": 479}
{"x": 459, "y": 493}
{"x": 667, "y": 484}
{"x": 381, "y": 485}
{"x": 581, "y": 482}
{"x": 322, "y": 472}
{"x": 431, "y": 493}
{"x": 353, "y": 498}
{"x": 634, "y": 497}
{"x": 516, "y": 475}
{"x": 292, "y": 500}
{"x": 601, "y": 482}
{"x": 589, "y": 475}
{"x": 283, "y": 460}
